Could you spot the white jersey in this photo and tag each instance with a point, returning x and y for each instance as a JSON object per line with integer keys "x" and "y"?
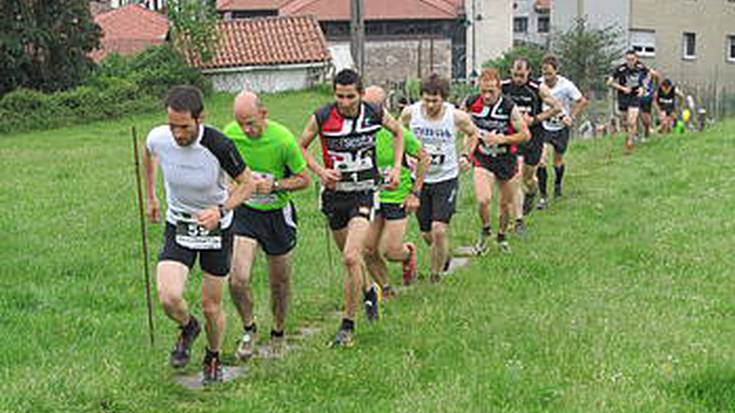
{"x": 567, "y": 93}
{"x": 438, "y": 137}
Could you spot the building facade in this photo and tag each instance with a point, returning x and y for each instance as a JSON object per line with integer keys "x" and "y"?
{"x": 531, "y": 22}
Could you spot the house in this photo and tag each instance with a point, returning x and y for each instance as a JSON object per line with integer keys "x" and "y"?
{"x": 406, "y": 38}
{"x": 267, "y": 54}
{"x": 690, "y": 41}
{"x": 129, "y": 30}
{"x": 531, "y": 22}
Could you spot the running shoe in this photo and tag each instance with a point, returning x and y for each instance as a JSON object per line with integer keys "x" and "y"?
{"x": 211, "y": 369}
{"x": 343, "y": 338}
{"x": 246, "y": 347}
{"x": 182, "y": 348}
{"x": 481, "y": 246}
{"x": 372, "y": 303}
{"x": 541, "y": 204}
{"x": 520, "y": 228}
{"x": 528, "y": 203}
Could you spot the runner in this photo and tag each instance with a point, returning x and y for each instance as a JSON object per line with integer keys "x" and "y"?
{"x": 529, "y": 97}
{"x": 502, "y": 129}
{"x": 665, "y": 101}
{"x": 627, "y": 79}
{"x": 268, "y": 218}
{"x": 649, "y": 87}
{"x": 195, "y": 161}
{"x": 350, "y": 175}
{"x": 388, "y": 229}
{"x": 435, "y": 123}
{"x": 558, "y": 129}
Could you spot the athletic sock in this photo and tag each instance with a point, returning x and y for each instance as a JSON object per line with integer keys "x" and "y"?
{"x": 487, "y": 230}
{"x": 559, "y": 170}
{"x": 347, "y": 324}
{"x": 210, "y": 355}
{"x": 252, "y": 328}
{"x": 276, "y": 333}
{"x": 541, "y": 174}
{"x": 501, "y": 237}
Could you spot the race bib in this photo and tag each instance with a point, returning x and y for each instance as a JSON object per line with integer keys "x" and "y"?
{"x": 191, "y": 235}
{"x": 356, "y": 169}
{"x": 438, "y": 157}
{"x": 492, "y": 150}
{"x": 263, "y": 199}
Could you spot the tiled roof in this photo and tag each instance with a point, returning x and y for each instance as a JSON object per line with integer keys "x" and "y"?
{"x": 327, "y": 10}
{"x": 267, "y": 41}
{"x": 543, "y": 5}
{"x": 129, "y": 30}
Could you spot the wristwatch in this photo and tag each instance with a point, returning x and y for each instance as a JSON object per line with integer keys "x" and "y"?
{"x": 276, "y": 185}
{"x": 222, "y": 211}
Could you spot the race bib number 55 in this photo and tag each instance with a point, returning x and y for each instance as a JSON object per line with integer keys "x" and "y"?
{"x": 191, "y": 235}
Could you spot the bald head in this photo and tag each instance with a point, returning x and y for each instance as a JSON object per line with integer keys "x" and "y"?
{"x": 250, "y": 113}
{"x": 375, "y": 95}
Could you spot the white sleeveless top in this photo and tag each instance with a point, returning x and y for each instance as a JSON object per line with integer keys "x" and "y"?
{"x": 438, "y": 137}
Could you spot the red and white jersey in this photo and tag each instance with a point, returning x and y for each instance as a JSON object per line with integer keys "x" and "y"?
{"x": 348, "y": 145}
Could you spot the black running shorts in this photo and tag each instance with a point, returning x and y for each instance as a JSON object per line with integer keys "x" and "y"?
{"x": 341, "y": 207}
{"x": 215, "y": 262}
{"x": 559, "y": 139}
{"x": 391, "y": 211}
{"x": 504, "y": 166}
{"x": 274, "y": 230}
{"x": 438, "y": 203}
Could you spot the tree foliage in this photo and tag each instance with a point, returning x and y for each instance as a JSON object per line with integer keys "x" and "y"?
{"x": 193, "y": 28}
{"x": 44, "y": 44}
{"x": 587, "y": 54}
{"x": 532, "y": 52}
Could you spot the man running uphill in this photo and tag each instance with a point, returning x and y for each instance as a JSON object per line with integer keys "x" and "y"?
{"x": 268, "y": 218}
{"x": 195, "y": 161}
{"x": 388, "y": 229}
{"x": 502, "y": 128}
{"x": 349, "y": 178}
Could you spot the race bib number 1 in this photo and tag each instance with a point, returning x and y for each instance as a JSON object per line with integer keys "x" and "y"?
{"x": 191, "y": 235}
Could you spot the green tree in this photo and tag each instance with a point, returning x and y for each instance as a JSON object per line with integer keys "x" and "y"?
{"x": 587, "y": 54}
{"x": 194, "y": 28}
{"x": 533, "y": 53}
{"x": 44, "y": 44}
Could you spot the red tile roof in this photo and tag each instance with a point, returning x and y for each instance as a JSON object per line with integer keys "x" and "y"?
{"x": 129, "y": 30}
{"x": 543, "y": 5}
{"x": 329, "y": 10}
{"x": 267, "y": 41}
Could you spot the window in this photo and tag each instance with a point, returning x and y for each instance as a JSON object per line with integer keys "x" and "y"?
{"x": 731, "y": 47}
{"x": 643, "y": 42}
{"x": 520, "y": 24}
{"x": 543, "y": 24}
{"x": 689, "y": 46}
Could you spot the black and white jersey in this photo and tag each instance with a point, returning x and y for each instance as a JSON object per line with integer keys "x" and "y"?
{"x": 632, "y": 77}
{"x": 526, "y": 96}
{"x": 495, "y": 118}
{"x": 194, "y": 176}
{"x": 666, "y": 100}
{"x": 348, "y": 145}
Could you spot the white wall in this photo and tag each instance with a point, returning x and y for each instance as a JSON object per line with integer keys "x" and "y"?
{"x": 599, "y": 13}
{"x": 266, "y": 80}
{"x": 493, "y": 30}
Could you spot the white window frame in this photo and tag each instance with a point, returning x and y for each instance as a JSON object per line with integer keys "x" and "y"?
{"x": 643, "y": 42}
{"x": 684, "y": 54}
{"x": 521, "y": 18}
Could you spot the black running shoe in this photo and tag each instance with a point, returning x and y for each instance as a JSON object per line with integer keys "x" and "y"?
{"x": 211, "y": 369}
{"x": 541, "y": 204}
{"x": 182, "y": 349}
{"x": 343, "y": 338}
{"x": 528, "y": 203}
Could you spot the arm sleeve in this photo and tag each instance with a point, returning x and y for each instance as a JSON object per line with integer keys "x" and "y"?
{"x": 225, "y": 151}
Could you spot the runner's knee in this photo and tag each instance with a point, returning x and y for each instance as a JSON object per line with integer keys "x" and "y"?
{"x": 211, "y": 307}
{"x": 351, "y": 258}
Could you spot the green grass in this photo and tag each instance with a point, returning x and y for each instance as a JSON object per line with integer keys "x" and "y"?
{"x": 620, "y": 300}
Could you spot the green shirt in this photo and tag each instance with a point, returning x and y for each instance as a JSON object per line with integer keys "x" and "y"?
{"x": 275, "y": 154}
{"x": 385, "y": 153}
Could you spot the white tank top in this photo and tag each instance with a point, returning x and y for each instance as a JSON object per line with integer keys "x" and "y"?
{"x": 438, "y": 137}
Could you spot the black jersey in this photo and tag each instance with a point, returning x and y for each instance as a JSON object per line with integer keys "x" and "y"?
{"x": 495, "y": 118}
{"x": 631, "y": 77}
{"x": 348, "y": 145}
{"x": 666, "y": 101}
{"x": 526, "y": 97}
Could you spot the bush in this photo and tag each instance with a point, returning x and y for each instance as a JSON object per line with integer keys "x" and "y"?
{"x": 120, "y": 86}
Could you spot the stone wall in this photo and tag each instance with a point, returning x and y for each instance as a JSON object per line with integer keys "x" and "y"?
{"x": 396, "y": 60}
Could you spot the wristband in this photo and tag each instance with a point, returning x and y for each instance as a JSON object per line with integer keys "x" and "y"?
{"x": 222, "y": 211}
{"x": 276, "y": 185}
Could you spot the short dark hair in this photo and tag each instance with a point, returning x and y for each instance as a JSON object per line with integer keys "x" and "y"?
{"x": 435, "y": 85}
{"x": 630, "y": 51}
{"x": 550, "y": 60}
{"x": 185, "y": 98}
{"x": 347, "y": 77}
{"x": 666, "y": 82}
{"x": 526, "y": 63}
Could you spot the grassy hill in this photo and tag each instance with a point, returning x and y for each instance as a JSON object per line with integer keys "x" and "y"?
{"x": 620, "y": 299}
